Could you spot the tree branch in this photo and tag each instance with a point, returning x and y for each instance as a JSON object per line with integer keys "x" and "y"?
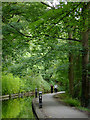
{"x": 19, "y": 31}
{"x": 63, "y": 38}
{"x": 47, "y": 5}
{"x": 63, "y": 17}
{"x": 43, "y": 34}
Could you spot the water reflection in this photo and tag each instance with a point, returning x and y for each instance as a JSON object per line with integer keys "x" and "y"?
{"x": 17, "y": 108}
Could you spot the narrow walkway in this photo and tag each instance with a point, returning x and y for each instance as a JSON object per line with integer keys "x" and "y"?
{"x": 53, "y": 109}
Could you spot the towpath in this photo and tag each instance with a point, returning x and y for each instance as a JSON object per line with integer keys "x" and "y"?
{"x": 51, "y": 108}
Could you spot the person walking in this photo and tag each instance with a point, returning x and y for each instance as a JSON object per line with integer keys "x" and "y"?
{"x": 55, "y": 88}
{"x": 51, "y": 88}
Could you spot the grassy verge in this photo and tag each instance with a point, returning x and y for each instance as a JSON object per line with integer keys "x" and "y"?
{"x": 67, "y": 100}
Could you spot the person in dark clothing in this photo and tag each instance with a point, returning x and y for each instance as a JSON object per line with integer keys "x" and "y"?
{"x": 51, "y": 88}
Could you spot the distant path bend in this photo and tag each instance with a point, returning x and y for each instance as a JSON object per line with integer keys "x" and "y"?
{"x": 51, "y": 108}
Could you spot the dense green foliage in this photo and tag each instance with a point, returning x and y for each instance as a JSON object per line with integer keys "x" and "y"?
{"x": 18, "y": 108}
{"x": 11, "y": 84}
{"x": 44, "y": 45}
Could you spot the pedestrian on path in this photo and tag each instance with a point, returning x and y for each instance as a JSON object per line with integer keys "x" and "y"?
{"x": 55, "y": 88}
{"x": 51, "y": 88}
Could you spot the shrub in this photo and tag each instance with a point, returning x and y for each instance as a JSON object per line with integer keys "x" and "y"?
{"x": 35, "y": 82}
{"x": 68, "y": 100}
{"x": 11, "y": 84}
{"x": 72, "y": 102}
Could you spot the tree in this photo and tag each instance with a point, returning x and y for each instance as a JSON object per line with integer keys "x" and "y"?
{"x": 85, "y": 54}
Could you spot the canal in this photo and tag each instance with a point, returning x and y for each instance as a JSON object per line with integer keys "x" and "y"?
{"x": 18, "y": 108}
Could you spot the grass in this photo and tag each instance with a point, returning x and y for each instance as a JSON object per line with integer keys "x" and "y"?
{"x": 65, "y": 98}
{"x": 84, "y": 109}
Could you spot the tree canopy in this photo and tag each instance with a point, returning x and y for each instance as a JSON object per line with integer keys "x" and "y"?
{"x": 49, "y": 41}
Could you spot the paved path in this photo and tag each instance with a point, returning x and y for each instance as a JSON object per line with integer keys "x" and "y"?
{"x": 54, "y": 109}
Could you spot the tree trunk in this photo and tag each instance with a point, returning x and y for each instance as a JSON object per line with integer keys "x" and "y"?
{"x": 71, "y": 69}
{"x": 85, "y": 79}
{"x": 85, "y": 56}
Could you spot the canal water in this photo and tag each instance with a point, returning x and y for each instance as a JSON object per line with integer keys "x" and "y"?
{"x": 18, "y": 108}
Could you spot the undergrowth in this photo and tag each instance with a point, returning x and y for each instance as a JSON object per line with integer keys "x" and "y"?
{"x": 65, "y": 98}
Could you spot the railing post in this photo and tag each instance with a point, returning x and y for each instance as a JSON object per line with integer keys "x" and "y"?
{"x": 19, "y": 95}
{"x": 40, "y": 99}
{"x": 9, "y": 96}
